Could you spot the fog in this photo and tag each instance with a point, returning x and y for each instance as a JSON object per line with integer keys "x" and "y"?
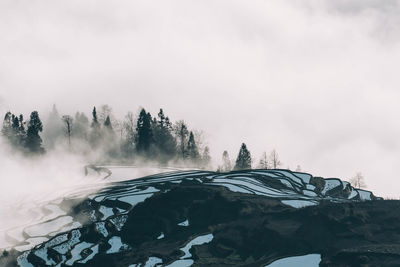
{"x": 316, "y": 80}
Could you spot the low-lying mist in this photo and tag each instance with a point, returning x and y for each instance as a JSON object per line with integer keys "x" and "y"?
{"x": 32, "y": 181}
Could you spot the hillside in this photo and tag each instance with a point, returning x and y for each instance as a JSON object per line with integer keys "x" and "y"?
{"x": 184, "y": 218}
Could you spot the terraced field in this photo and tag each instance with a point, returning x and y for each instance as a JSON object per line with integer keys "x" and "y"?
{"x": 181, "y": 218}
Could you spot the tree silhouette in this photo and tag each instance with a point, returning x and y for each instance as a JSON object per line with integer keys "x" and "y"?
{"x": 181, "y": 132}
{"x": 226, "y": 162}
{"x": 206, "y": 158}
{"x": 163, "y": 138}
{"x": 144, "y": 132}
{"x": 358, "y": 181}
{"x": 33, "y": 139}
{"x": 68, "y": 127}
{"x": 263, "y": 163}
{"x": 192, "y": 150}
{"x": 274, "y": 160}
{"x": 243, "y": 160}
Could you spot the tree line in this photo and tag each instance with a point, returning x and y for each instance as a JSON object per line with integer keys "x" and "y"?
{"x": 134, "y": 139}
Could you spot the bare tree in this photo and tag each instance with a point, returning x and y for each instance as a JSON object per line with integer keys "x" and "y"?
{"x": 358, "y": 181}
{"x": 298, "y": 168}
{"x": 181, "y": 132}
{"x": 68, "y": 127}
{"x": 274, "y": 159}
{"x": 264, "y": 162}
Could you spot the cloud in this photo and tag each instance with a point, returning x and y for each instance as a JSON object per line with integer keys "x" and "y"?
{"x": 315, "y": 79}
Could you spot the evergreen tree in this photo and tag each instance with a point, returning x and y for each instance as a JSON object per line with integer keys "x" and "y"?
{"x": 33, "y": 139}
{"x": 54, "y": 130}
{"x": 192, "y": 150}
{"x": 163, "y": 139}
{"x": 144, "y": 132}
{"x": 243, "y": 160}
{"x": 107, "y": 123}
{"x": 95, "y": 121}
{"x": 206, "y": 158}
{"x": 226, "y": 162}
{"x": 95, "y": 134}
{"x": 6, "y": 130}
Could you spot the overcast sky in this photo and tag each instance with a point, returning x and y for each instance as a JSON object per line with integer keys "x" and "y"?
{"x": 317, "y": 80}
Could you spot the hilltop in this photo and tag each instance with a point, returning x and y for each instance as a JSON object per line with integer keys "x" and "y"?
{"x": 240, "y": 218}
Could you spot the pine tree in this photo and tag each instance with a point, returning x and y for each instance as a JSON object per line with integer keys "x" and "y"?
{"x": 226, "y": 162}
{"x": 95, "y": 133}
{"x": 163, "y": 139}
{"x": 107, "y": 123}
{"x": 95, "y": 121}
{"x": 243, "y": 160}
{"x": 33, "y": 139}
{"x": 144, "y": 132}
{"x": 192, "y": 150}
{"x": 6, "y": 130}
{"x": 206, "y": 158}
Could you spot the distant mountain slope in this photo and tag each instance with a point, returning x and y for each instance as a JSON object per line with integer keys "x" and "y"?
{"x": 241, "y": 218}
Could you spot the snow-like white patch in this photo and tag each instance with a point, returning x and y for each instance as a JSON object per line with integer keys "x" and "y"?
{"x": 55, "y": 211}
{"x": 353, "y": 194}
{"x": 255, "y": 188}
{"x": 329, "y": 185}
{"x": 161, "y": 236}
{"x": 22, "y": 260}
{"x": 116, "y": 245}
{"x": 66, "y": 246}
{"x": 76, "y": 252}
{"x": 107, "y": 212}
{"x": 200, "y": 240}
{"x": 119, "y": 221}
{"x": 290, "y": 175}
{"x": 310, "y": 187}
{"x": 286, "y": 182}
{"x": 184, "y": 261}
{"x": 42, "y": 252}
{"x": 66, "y": 228}
{"x": 310, "y": 193}
{"x": 153, "y": 261}
{"x": 95, "y": 250}
{"x": 181, "y": 263}
{"x": 16, "y": 234}
{"x": 310, "y": 260}
{"x": 303, "y": 176}
{"x": 184, "y": 223}
{"x": 364, "y": 195}
{"x": 101, "y": 227}
{"x": 32, "y": 242}
{"x": 45, "y": 228}
{"x": 344, "y": 183}
{"x": 299, "y": 203}
{"x": 134, "y": 199}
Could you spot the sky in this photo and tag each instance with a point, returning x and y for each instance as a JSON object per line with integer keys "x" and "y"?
{"x": 317, "y": 80}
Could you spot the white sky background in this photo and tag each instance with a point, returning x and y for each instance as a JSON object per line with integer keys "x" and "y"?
{"x": 317, "y": 80}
